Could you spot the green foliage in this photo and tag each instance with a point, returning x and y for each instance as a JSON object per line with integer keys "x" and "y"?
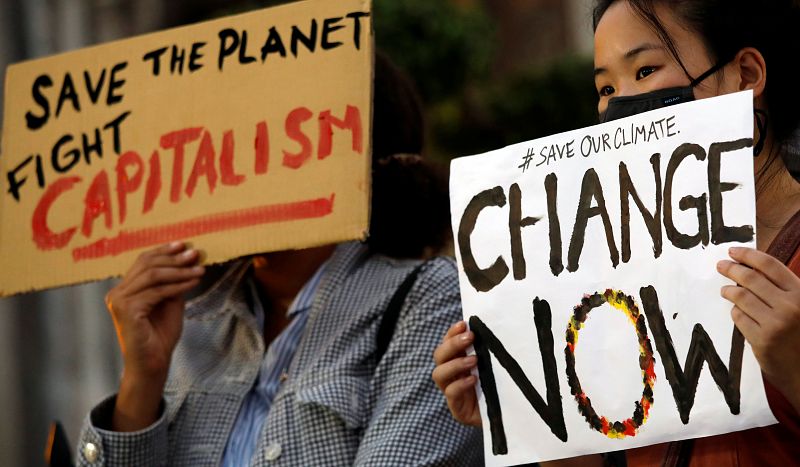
{"x": 442, "y": 46}
{"x": 527, "y": 105}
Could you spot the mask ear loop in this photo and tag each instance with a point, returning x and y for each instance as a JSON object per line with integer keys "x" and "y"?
{"x": 762, "y": 123}
{"x": 720, "y": 65}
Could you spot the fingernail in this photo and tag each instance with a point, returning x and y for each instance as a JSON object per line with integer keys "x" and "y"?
{"x": 466, "y": 337}
{"x": 471, "y": 360}
{"x": 734, "y": 250}
{"x": 175, "y": 244}
{"x": 198, "y": 269}
{"x": 188, "y": 253}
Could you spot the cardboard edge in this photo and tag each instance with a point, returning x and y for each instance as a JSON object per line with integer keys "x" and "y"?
{"x": 209, "y": 22}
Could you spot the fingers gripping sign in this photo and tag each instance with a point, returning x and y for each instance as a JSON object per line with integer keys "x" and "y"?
{"x": 147, "y": 309}
{"x": 453, "y": 374}
{"x": 766, "y": 309}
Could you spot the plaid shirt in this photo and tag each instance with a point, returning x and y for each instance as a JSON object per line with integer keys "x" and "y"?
{"x": 337, "y": 407}
{"x": 244, "y": 437}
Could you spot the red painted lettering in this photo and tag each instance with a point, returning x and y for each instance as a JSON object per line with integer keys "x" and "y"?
{"x": 43, "y": 237}
{"x": 229, "y": 175}
{"x": 352, "y": 122}
{"x": 294, "y": 131}
{"x": 177, "y": 140}
{"x": 262, "y": 148}
{"x": 153, "y": 187}
{"x": 126, "y": 183}
{"x": 96, "y": 203}
{"x": 203, "y": 166}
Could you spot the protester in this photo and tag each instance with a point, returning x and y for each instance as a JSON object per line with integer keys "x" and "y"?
{"x": 657, "y": 49}
{"x": 312, "y": 357}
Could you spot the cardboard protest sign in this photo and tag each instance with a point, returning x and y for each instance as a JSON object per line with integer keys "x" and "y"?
{"x": 588, "y": 274}
{"x": 244, "y": 134}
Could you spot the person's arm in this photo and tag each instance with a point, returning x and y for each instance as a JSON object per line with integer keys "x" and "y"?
{"x": 100, "y": 445}
{"x": 411, "y": 424}
{"x": 147, "y": 310}
{"x": 766, "y": 309}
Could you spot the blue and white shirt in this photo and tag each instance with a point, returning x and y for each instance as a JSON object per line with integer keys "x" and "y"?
{"x": 273, "y": 372}
{"x": 340, "y": 404}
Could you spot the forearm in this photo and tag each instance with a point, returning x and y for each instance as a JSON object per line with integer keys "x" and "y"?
{"x": 100, "y": 445}
{"x": 138, "y": 402}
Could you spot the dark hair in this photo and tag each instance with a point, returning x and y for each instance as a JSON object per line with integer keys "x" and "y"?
{"x": 726, "y": 27}
{"x": 398, "y": 122}
{"x": 410, "y": 204}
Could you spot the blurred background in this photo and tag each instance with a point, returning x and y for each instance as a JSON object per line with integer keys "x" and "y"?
{"x": 490, "y": 72}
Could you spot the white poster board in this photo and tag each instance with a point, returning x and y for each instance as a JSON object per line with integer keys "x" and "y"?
{"x": 587, "y": 263}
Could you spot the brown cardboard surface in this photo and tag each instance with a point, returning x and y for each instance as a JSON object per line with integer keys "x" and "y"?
{"x": 236, "y": 154}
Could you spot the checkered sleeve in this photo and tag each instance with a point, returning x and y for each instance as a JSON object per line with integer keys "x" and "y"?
{"x": 411, "y": 424}
{"x": 99, "y": 446}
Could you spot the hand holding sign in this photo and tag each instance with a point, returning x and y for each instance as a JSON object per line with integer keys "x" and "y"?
{"x": 453, "y": 374}
{"x": 147, "y": 309}
{"x": 767, "y": 311}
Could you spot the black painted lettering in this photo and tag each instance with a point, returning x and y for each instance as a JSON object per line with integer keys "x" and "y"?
{"x": 551, "y": 188}
{"x": 92, "y": 147}
{"x": 515, "y": 224}
{"x": 486, "y": 343}
{"x": 683, "y": 381}
{"x": 329, "y": 26}
{"x": 94, "y": 89}
{"x": 228, "y": 43}
{"x": 274, "y": 44}
{"x": 243, "y": 57}
{"x": 679, "y": 239}
{"x": 14, "y": 181}
{"x": 62, "y": 161}
{"x": 68, "y": 93}
{"x": 309, "y": 41}
{"x": 721, "y": 233}
{"x": 356, "y": 17}
{"x": 591, "y": 189}
{"x": 114, "y": 125}
{"x": 177, "y": 58}
{"x": 34, "y": 122}
{"x": 483, "y": 280}
{"x": 114, "y": 84}
{"x": 155, "y": 56}
{"x": 651, "y": 220}
{"x": 194, "y": 57}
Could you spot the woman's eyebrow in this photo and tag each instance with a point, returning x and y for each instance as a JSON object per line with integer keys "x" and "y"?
{"x": 629, "y": 55}
{"x": 642, "y": 48}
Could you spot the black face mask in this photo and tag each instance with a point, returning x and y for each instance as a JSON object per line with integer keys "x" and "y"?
{"x": 626, "y": 106}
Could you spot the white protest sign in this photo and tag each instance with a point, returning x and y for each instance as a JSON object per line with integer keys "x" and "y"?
{"x": 587, "y": 263}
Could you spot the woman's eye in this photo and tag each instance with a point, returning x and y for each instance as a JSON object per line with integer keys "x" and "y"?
{"x": 606, "y": 91}
{"x": 644, "y": 72}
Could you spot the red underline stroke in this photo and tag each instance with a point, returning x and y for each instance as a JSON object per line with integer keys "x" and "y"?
{"x": 211, "y": 223}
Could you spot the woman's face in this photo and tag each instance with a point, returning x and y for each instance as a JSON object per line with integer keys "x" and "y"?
{"x": 630, "y": 59}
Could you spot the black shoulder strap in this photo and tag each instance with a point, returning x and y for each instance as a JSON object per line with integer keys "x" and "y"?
{"x": 392, "y": 313}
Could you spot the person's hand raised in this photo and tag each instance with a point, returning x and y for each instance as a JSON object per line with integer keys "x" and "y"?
{"x": 147, "y": 309}
{"x": 453, "y": 374}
